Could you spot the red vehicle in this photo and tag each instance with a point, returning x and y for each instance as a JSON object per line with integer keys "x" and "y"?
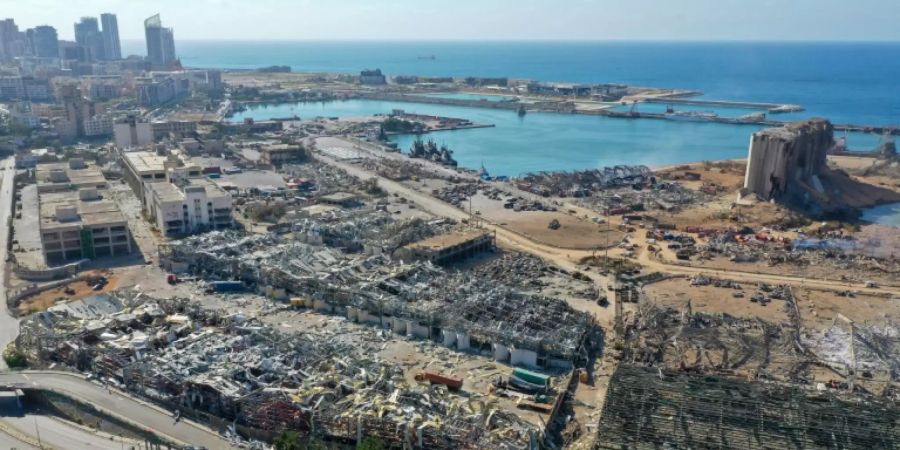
{"x": 453, "y": 383}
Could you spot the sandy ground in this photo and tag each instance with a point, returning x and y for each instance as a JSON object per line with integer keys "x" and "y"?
{"x": 819, "y": 309}
{"x": 574, "y": 233}
{"x": 46, "y": 299}
{"x": 678, "y": 292}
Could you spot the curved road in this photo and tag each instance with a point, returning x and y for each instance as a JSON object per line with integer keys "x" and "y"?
{"x": 58, "y": 434}
{"x": 116, "y": 404}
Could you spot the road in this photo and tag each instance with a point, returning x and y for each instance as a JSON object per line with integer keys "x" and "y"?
{"x": 566, "y": 258}
{"x": 150, "y": 417}
{"x": 57, "y": 434}
{"x": 9, "y": 327}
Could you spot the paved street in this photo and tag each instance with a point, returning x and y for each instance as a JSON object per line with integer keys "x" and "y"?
{"x": 150, "y": 417}
{"x": 9, "y": 327}
{"x": 55, "y": 433}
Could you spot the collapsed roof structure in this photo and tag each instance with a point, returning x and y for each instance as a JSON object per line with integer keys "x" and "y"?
{"x": 694, "y": 380}
{"x": 371, "y": 287}
{"x": 234, "y": 368}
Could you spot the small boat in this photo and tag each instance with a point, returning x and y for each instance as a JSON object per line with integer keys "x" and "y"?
{"x": 522, "y": 111}
{"x": 430, "y": 57}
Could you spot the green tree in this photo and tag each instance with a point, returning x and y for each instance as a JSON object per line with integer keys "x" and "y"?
{"x": 370, "y": 443}
{"x": 14, "y": 358}
{"x": 288, "y": 440}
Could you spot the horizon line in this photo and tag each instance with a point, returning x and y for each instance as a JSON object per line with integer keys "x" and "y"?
{"x": 543, "y": 40}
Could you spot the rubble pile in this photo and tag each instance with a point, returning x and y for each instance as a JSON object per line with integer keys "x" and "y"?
{"x": 516, "y": 269}
{"x": 584, "y": 183}
{"x": 846, "y": 256}
{"x": 700, "y": 280}
{"x": 875, "y": 347}
{"x": 354, "y": 233}
{"x": 458, "y": 195}
{"x": 325, "y": 177}
{"x": 417, "y": 296}
{"x": 666, "y": 196}
{"x": 235, "y": 368}
{"x": 643, "y": 403}
{"x": 704, "y": 371}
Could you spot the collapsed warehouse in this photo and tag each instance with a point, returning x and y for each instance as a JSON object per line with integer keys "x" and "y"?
{"x": 416, "y": 297}
{"x": 233, "y": 371}
{"x": 692, "y": 380}
{"x": 583, "y": 183}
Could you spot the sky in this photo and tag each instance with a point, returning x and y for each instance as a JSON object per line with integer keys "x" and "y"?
{"x": 796, "y": 20}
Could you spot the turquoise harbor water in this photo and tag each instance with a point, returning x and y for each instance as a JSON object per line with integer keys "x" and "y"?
{"x": 855, "y": 83}
{"x": 550, "y": 141}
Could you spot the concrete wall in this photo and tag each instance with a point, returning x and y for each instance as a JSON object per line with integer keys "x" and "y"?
{"x": 501, "y": 352}
{"x": 448, "y": 338}
{"x": 417, "y": 330}
{"x": 522, "y": 357}
{"x": 462, "y": 341}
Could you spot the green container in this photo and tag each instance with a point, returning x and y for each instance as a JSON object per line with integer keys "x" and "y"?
{"x": 531, "y": 377}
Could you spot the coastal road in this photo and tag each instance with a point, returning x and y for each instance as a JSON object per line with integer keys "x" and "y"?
{"x": 113, "y": 402}
{"x": 9, "y": 326}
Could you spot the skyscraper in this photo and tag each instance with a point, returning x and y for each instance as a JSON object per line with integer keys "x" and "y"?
{"x": 112, "y": 44}
{"x": 44, "y": 41}
{"x": 12, "y": 41}
{"x": 160, "y": 42}
{"x": 87, "y": 34}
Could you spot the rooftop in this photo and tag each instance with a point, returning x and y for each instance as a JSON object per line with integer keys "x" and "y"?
{"x": 276, "y": 148}
{"x": 58, "y": 176}
{"x": 169, "y": 192}
{"x": 447, "y": 240}
{"x": 90, "y": 213}
{"x": 145, "y": 161}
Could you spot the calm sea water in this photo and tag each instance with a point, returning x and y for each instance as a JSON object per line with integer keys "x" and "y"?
{"x": 846, "y": 82}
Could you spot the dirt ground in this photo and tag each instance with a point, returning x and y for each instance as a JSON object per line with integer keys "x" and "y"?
{"x": 818, "y": 309}
{"x": 46, "y": 299}
{"x": 676, "y": 292}
{"x": 574, "y": 233}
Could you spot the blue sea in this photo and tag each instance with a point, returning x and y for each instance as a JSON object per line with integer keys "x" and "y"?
{"x": 846, "y": 82}
{"x": 855, "y": 83}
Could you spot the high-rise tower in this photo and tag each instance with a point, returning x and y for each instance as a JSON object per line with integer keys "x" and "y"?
{"x": 160, "y": 42}
{"x": 111, "y": 42}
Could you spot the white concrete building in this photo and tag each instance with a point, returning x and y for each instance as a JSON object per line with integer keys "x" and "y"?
{"x": 132, "y": 133}
{"x": 101, "y": 125}
{"x": 144, "y": 167}
{"x": 182, "y": 205}
{"x": 77, "y": 221}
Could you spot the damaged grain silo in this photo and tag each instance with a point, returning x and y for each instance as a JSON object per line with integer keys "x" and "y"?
{"x": 788, "y": 160}
{"x": 788, "y": 165}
